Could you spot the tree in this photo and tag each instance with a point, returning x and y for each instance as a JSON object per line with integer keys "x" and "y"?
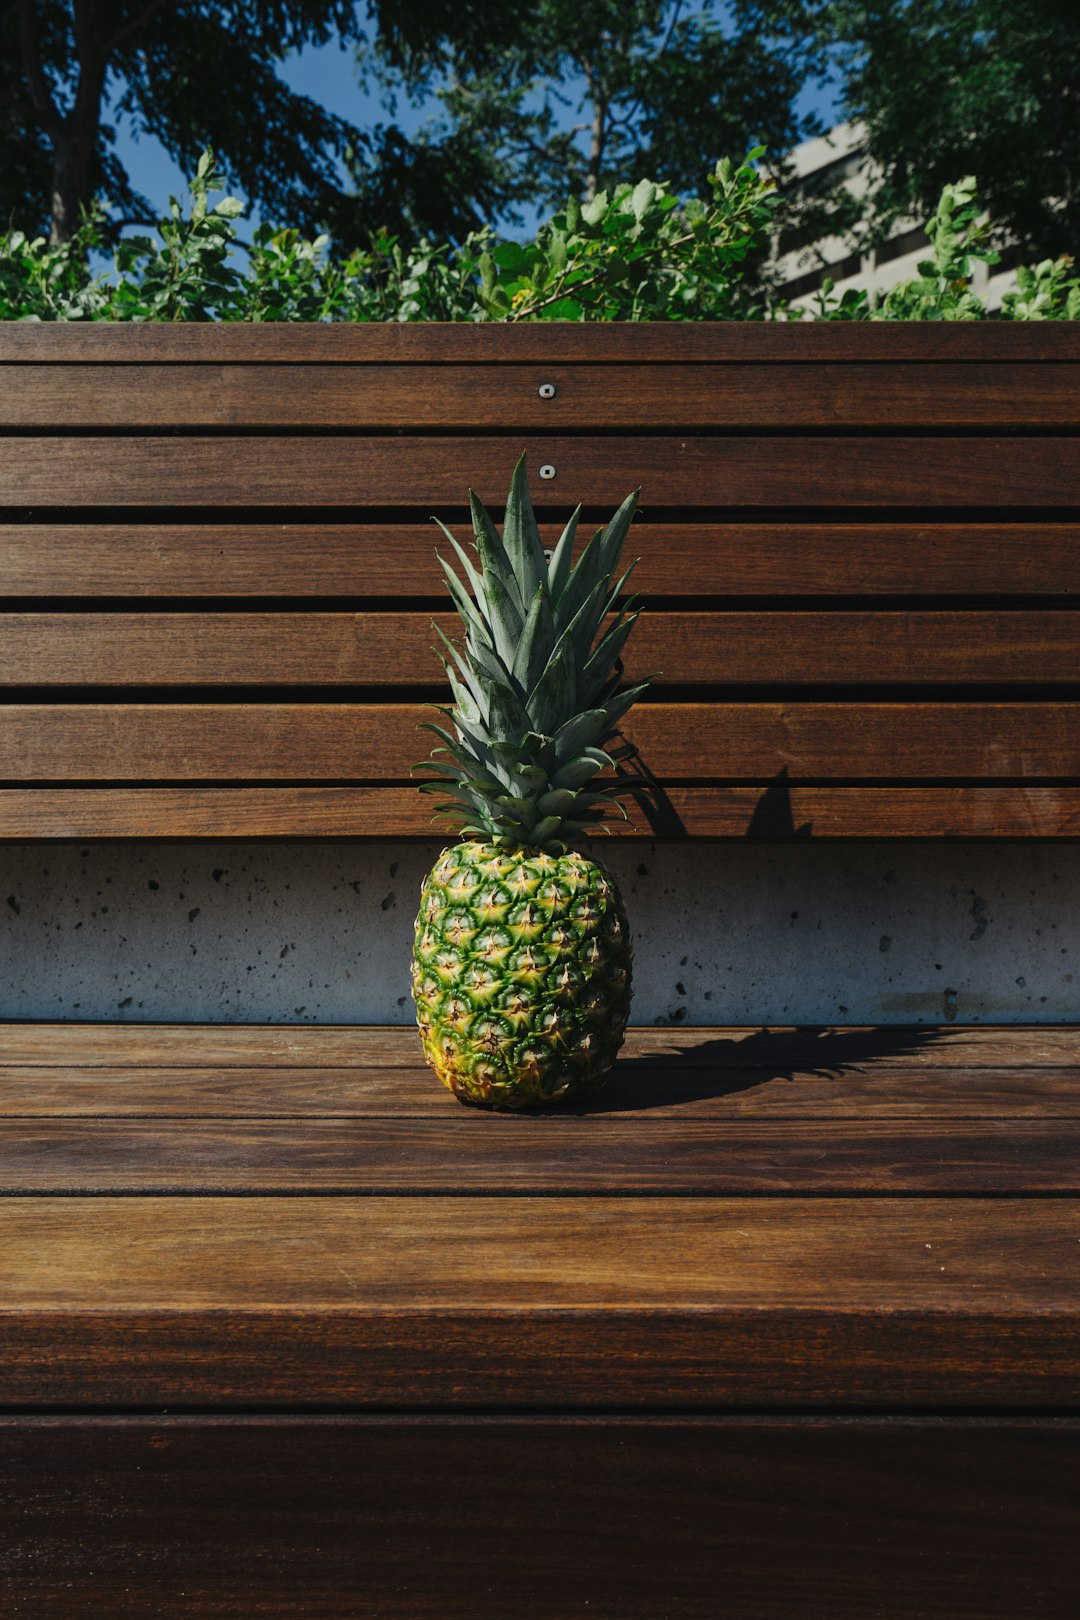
{"x": 953, "y": 87}
{"x": 190, "y": 72}
{"x": 587, "y": 93}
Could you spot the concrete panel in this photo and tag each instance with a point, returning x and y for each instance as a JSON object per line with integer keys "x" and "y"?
{"x": 725, "y": 932}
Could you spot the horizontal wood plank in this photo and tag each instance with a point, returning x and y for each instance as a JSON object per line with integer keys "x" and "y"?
{"x": 936, "y": 1301}
{"x": 743, "y": 396}
{"x": 565, "y": 1155}
{"x": 429, "y": 342}
{"x": 676, "y": 559}
{"x": 689, "y": 472}
{"x": 398, "y": 649}
{"x": 948, "y": 1519}
{"x": 637, "y": 1090}
{"x": 770, "y": 812}
{"x": 314, "y": 741}
{"x": 362, "y": 1048}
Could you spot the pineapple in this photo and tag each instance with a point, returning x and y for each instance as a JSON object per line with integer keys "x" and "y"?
{"x": 521, "y": 966}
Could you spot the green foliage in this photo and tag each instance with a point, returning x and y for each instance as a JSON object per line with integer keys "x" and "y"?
{"x": 640, "y": 254}
{"x": 186, "y": 275}
{"x": 188, "y": 72}
{"x": 637, "y": 255}
{"x": 947, "y": 87}
{"x": 942, "y": 291}
{"x": 1046, "y": 292}
{"x": 577, "y": 95}
{"x": 43, "y": 283}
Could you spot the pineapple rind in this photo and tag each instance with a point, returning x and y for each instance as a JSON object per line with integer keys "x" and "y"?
{"x": 521, "y": 974}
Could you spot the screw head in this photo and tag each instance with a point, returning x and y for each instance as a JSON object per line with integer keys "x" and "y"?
{"x": 546, "y": 390}
{"x": 547, "y": 470}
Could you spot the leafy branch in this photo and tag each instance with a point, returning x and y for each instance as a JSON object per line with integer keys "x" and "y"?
{"x": 642, "y": 253}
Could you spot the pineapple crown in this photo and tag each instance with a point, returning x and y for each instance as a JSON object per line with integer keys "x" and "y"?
{"x": 535, "y": 683}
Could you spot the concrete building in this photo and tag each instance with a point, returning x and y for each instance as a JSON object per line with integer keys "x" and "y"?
{"x": 804, "y": 259}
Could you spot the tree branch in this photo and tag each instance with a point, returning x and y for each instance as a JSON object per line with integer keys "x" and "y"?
{"x": 38, "y": 85}
{"x": 597, "y": 129}
{"x": 528, "y": 310}
{"x": 635, "y": 105}
{"x": 16, "y": 103}
{"x": 133, "y": 26}
{"x": 666, "y": 41}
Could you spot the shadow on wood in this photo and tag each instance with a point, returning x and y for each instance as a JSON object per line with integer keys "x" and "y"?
{"x": 722, "y": 1067}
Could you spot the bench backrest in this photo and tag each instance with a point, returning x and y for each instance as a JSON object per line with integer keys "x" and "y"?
{"x": 860, "y": 550}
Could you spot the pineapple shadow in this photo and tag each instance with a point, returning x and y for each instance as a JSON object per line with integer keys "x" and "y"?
{"x": 773, "y": 815}
{"x": 726, "y": 1066}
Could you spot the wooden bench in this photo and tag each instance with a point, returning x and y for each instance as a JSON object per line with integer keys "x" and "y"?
{"x": 788, "y": 1321}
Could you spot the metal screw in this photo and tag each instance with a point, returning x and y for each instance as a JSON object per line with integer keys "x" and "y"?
{"x": 547, "y": 470}
{"x": 546, "y": 390}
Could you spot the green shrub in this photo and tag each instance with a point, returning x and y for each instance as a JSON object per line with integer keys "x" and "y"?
{"x": 639, "y": 254}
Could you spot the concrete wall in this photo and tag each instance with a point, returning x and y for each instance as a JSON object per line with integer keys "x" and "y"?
{"x": 725, "y": 932}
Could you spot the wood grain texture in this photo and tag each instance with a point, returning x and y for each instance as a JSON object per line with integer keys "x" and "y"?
{"x": 948, "y": 1519}
{"x": 689, "y": 472}
{"x": 138, "y": 1109}
{"x": 639, "y": 1089}
{"x": 168, "y": 559}
{"x": 361, "y": 1048}
{"x": 398, "y": 649}
{"x": 431, "y": 342}
{"x": 379, "y": 742}
{"x": 592, "y": 1154}
{"x": 300, "y": 1218}
{"x": 776, "y": 811}
{"x": 513, "y": 1254}
{"x": 555, "y": 1301}
{"x": 743, "y": 396}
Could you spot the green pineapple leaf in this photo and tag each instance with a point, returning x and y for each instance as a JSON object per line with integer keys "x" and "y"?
{"x": 554, "y": 691}
{"x": 521, "y": 537}
{"x": 494, "y": 560}
{"x": 579, "y": 732}
{"x": 537, "y": 642}
{"x": 561, "y": 558}
{"x": 476, "y": 583}
{"x": 535, "y": 682}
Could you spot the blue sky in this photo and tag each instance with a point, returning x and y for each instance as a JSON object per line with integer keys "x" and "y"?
{"x": 328, "y": 75}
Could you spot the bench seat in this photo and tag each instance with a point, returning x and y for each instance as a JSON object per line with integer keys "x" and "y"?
{"x": 804, "y": 1289}
{"x": 787, "y": 1322}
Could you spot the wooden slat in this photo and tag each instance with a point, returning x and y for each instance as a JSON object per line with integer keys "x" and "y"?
{"x": 593, "y": 1154}
{"x": 939, "y": 1301}
{"x": 967, "y": 740}
{"x": 264, "y": 741}
{"x": 687, "y": 472}
{"x": 947, "y": 1519}
{"x": 637, "y": 1091}
{"x": 137, "y": 397}
{"x": 398, "y": 649}
{"x": 775, "y": 811}
{"x": 361, "y": 1048}
{"x": 398, "y": 559}
{"x": 434, "y": 342}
